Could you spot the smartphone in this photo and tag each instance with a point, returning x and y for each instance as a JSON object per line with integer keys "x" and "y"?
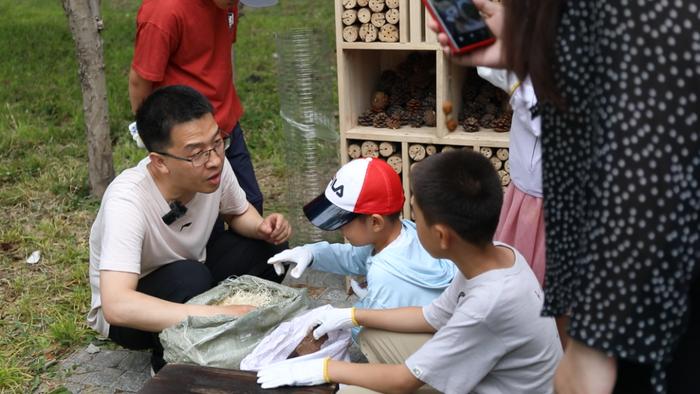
{"x": 462, "y": 23}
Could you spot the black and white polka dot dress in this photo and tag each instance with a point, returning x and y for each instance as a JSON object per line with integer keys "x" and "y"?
{"x": 621, "y": 174}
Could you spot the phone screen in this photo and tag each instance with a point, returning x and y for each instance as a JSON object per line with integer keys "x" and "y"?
{"x": 462, "y": 21}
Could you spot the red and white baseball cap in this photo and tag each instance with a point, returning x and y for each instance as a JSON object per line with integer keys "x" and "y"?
{"x": 363, "y": 186}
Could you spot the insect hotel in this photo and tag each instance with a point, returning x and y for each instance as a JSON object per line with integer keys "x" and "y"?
{"x": 400, "y": 99}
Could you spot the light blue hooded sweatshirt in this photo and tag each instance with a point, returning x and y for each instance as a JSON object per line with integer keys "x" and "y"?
{"x": 402, "y": 274}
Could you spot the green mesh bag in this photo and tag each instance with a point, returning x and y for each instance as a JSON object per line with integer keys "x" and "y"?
{"x": 223, "y": 341}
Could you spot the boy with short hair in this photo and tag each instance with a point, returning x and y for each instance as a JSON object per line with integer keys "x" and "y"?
{"x": 364, "y": 201}
{"x": 483, "y": 334}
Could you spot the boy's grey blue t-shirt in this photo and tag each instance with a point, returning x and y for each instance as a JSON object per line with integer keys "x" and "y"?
{"x": 490, "y": 336}
{"x": 402, "y": 274}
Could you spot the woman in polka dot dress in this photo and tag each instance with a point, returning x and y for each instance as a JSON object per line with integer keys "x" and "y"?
{"x": 618, "y": 83}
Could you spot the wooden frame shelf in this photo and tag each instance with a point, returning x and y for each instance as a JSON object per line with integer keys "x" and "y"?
{"x": 359, "y": 65}
{"x": 400, "y": 46}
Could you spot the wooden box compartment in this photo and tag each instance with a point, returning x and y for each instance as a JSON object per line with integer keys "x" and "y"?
{"x": 464, "y": 81}
{"x": 359, "y": 73}
{"x": 412, "y": 23}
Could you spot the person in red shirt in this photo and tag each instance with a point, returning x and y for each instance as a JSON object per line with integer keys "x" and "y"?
{"x": 189, "y": 42}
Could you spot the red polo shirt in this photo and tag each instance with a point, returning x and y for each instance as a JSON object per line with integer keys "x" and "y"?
{"x": 188, "y": 42}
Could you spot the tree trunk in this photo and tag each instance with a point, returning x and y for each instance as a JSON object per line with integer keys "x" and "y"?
{"x": 85, "y": 25}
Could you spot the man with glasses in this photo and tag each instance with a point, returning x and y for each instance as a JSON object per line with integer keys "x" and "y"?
{"x": 150, "y": 246}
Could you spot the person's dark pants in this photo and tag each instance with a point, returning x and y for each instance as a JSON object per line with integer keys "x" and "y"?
{"x": 228, "y": 254}
{"x": 239, "y": 158}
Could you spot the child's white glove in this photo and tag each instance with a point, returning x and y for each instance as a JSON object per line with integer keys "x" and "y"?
{"x": 135, "y": 135}
{"x": 360, "y": 292}
{"x": 294, "y": 372}
{"x": 334, "y": 319}
{"x": 300, "y": 256}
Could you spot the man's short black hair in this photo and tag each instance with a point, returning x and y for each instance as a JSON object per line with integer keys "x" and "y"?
{"x": 459, "y": 189}
{"x": 166, "y": 108}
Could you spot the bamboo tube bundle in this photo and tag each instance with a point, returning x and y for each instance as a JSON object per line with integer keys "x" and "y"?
{"x": 447, "y": 148}
{"x": 368, "y": 32}
{"x": 505, "y": 177}
{"x": 351, "y": 33}
{"x": 354, "y": 151}
{"x": 370, "y": 20}
{"x": 416, "y": 152}
{"x": 378, "y": 19}
{"x": 387, "y": 149}
{"x": 349, "y": 17}
{"x": 369, "y": 149}
{"x": 396, "y": 162}
{"x": 502, "y": 153}
{"x": 364, "y": 15}
{"x": 430, "y": 150}
{"x": 486, "y": 151}
{"x": 497, "y": 163}
{"x": 377, "y": 5}
{"x": 506, "y": 165}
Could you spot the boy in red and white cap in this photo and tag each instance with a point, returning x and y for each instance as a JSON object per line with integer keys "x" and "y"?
{"x": 364, "y": 201}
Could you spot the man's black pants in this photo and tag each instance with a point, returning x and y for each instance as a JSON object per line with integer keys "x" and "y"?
{"x": 228, "y": 254}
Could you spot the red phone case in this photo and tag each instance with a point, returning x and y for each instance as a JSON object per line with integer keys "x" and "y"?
{"x": 453, "y": 46}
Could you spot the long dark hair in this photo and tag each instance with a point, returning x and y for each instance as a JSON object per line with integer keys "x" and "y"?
{"x": 530, "y": 30}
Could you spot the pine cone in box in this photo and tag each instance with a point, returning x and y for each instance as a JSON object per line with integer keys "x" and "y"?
{"x": 399, "y": 93}
{"x": 414, "y": 105}
{"x": 406, "y": 117}
{"x": 416, "y": 119}
{"x": 379, "y": 120}
{"x": 393, "y": 122}
{"x": 395, "y": 111}
{"x": 502, "y": 123}
{"x": 366, "y": 118}
{"x": 472, "y": 108}
{"x": 471, "y": 124}
{"x": 380, "y": 100}
{"x": 486, "y": 121}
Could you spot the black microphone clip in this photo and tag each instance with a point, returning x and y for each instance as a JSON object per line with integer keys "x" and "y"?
{"x": 177, "y": 210}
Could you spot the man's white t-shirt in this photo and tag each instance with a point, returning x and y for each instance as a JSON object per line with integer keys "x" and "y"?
{"x": 129, "y": 234}
{"x": 490, "y": 336}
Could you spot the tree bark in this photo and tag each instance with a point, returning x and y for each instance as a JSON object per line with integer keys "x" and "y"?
{"x": 85, "y": 25}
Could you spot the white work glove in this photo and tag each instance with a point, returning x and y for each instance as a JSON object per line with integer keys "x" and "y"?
{"x": 295, "y": 372}
{"x": 360, "y": 292}
{"x": 334, "y": 319}
{"x": 300, "y": 256}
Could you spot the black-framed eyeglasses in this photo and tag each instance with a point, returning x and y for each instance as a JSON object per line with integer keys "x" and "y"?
{"x": 201, "y": 158}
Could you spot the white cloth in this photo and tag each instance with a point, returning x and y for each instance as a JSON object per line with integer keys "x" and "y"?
{"x": 525, "y": 147}
{"x": 490, "y": 336}
{"x": 280, "y": 343}
{"x": 129, "y": 234}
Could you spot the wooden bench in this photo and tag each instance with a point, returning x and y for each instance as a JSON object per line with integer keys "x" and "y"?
{"x": 184, "y": 378}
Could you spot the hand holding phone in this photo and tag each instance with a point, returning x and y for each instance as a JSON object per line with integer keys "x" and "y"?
{"x": 462, "y": 24}
{"x": 488, "y": 56}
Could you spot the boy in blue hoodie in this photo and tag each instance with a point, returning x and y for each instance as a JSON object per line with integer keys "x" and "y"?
{"x": 364, "y": 201}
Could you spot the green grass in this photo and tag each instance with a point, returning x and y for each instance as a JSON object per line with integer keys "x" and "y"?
{"x": 44, "y": 193}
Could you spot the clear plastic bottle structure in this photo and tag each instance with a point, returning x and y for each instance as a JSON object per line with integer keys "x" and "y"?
{"x": 306, "y": 69}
